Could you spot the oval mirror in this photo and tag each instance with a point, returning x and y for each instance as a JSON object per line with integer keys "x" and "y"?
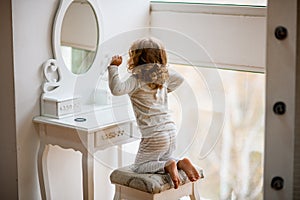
{"x": 79, "y": 36}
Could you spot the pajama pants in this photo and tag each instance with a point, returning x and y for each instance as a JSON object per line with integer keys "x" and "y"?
{"x": 154, "y": 152}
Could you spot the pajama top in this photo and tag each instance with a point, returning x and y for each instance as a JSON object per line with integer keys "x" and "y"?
{"x": 150, "y": 106}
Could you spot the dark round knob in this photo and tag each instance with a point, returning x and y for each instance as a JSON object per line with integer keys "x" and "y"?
{"x": 277, "y": 183}
{"x": 279, "y": 108}
{"x": 80, "y": 119}
{"x": 281, "y": 32}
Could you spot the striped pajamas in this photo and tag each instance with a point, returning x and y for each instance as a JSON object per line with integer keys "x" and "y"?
{"x": 152, "y": 115}
{"x": 154, "y": 152}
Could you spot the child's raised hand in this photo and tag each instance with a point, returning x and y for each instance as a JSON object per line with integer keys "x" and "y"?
{"x": 116, "y": 60}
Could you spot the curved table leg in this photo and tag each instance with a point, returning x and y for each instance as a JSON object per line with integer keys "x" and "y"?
{"x": 88, "y": 175}
{"x": 43, "y": 171}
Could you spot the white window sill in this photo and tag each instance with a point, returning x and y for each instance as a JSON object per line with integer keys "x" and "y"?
{"x": 252, "y": 3}
{"x": 221, "y": 9}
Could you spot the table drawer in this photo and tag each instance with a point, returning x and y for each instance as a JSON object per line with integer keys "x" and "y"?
{"x": 113, "y": 135}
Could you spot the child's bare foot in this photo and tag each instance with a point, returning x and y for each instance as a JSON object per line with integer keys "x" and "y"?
{"x": 186, "y": 165}
{"x": 171, "y": 168}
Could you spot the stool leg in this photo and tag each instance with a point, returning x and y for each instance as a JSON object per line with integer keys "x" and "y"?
{"x": 195, "y": 195}
{"x": 117, "y": 193}
{"x": 192, "y": 197}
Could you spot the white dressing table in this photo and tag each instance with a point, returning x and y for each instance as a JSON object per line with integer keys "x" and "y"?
{"x": 77, "y": 109}
{"x": 84, "y": 132}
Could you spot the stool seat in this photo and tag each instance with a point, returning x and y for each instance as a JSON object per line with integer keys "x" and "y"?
{"x": 147, "y": 183}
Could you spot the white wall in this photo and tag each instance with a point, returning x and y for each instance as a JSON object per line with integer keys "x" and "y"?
{"x": 32, "y": 34}
{"x": 32, "y": 26}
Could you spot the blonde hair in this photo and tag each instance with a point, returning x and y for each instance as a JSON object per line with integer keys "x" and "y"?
{"x": 147, "y": 61}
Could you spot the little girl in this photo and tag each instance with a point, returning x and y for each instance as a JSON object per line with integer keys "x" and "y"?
{"x": 147, "y": 88}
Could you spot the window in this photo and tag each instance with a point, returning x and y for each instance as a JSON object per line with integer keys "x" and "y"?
{"x": 234, "y": 166}
{"x": 77, "y": 60}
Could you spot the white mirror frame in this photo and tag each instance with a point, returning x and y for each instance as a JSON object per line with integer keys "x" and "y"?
{"x": 61, "y": 85}
{"x": 57, "y": 27}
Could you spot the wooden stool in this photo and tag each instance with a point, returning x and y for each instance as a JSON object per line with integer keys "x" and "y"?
{"x": 133, "y": 186}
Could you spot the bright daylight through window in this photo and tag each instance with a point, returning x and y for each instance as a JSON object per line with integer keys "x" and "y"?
{"x": 234, "y": 166}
